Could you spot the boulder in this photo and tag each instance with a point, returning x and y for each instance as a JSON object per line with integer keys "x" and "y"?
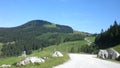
{"x": 110, "y": 53}
{"x": 36, "y": 60}
{"x": 113, "y": 54}
{"x": 103, "y": 54}
{"x": 57, "y": 54}
{"x": 5, "y": 66}
{"x": 30, "y": 60}
{"x": 18, "y": 64}
{"x": 21, "y": 63}
{"x": 26, "y": 61}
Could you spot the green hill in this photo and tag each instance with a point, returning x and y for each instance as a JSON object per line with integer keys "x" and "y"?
{"x": 34, "y": 27}
{"x": 39, "y": 38}
{"x": 34, "y": 35}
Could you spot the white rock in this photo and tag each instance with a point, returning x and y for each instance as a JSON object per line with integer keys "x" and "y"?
{"x": 36, "y": 60}
{"x": 113, "y": 54}
{"x": 5, "y": 66}
{"x": 103, "y": 54}
{"x": 30, "y": 59}
{"x": 57, "y": 54}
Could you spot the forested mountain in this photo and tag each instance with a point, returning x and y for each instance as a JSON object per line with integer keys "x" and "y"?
{"x": 33, "y": 35}
{"x": 109, "y": 38}
{"x": 32, "y": 28}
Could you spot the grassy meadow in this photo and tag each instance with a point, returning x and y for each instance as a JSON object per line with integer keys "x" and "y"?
{"x": 92, "y": 39}
{"x": 47, "y": 52}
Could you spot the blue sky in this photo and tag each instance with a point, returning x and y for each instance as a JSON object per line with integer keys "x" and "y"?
{"x": 82, "y": 15}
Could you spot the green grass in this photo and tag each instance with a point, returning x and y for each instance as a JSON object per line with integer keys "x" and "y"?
{"x": 10, "y": 60}
{"x": 117, "y": 48}
{"x": 65, "y": 47}
{"x": 47, "y": 52}
{"x": 91, "y": 38}
{"x": 50, "y": 25}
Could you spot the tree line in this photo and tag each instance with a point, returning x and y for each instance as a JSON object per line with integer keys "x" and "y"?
{"x": 31, "y": 44}
{"x": 108, "y": 38}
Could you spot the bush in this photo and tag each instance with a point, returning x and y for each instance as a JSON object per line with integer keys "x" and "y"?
{"x": 89, "y": 49}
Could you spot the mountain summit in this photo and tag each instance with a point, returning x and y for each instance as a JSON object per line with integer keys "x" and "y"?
{"x": 35, "y": 23}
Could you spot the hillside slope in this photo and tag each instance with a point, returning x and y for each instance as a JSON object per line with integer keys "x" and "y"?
{"x": 34, "y": 35}
{"x": 47, "y": 51}
{"x": 31, "y": 28}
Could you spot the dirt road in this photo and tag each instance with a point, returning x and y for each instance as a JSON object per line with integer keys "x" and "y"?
{"x": 87, "y": 61}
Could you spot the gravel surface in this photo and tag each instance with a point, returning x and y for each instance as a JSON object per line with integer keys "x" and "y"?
{"x": 87, "y": 61}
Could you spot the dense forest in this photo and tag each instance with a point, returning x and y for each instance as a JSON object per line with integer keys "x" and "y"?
{"x": 34, "y": 35}
{"x": 108, "y": 38}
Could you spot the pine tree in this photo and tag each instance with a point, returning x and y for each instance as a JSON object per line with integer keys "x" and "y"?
{"x": 109, "y": 38}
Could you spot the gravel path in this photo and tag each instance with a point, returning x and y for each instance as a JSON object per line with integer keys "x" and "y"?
{"x": 87, "y": 61}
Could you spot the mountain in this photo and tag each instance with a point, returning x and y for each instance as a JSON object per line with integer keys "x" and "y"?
{"x": 34, "y": 35}
{"x": 34, "y": 27}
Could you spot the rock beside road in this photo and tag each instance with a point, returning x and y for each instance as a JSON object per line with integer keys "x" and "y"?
{"x": 103, "y": 54}
{"x": 113, "y": 54}
{"x": 57, "y": 54}
{"x": 108, "y": 54}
